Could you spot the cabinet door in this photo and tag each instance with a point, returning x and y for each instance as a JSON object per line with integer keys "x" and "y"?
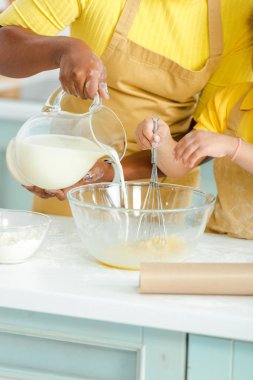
{"x": 219, "y": 359}
{"x": 37, "y": 357}
{"x": 48, "y": 347}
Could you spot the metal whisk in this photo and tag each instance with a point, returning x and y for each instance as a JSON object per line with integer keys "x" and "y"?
{"x": 152, "y": 224}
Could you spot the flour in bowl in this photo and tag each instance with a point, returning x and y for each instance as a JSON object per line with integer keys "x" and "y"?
{"x": 18, "y": 246}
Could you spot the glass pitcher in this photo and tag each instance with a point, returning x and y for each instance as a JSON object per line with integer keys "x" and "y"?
{"x": 55, "y": 149}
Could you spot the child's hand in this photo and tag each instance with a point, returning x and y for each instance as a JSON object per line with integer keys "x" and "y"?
{"x": 199, "y": 144}
{"x": 145, "y": 137}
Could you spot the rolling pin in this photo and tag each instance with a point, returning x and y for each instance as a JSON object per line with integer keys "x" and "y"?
{"x": 197, "y": 278}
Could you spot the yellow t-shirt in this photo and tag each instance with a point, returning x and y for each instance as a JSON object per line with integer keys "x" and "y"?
{"x": 215, "y": 116}
{"x": 160, "y": 26}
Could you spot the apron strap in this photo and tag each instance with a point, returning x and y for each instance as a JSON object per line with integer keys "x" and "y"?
{"x": 215, "y": 28}
{"x": 127, "y": 17}
{"x": 235, "y": 116}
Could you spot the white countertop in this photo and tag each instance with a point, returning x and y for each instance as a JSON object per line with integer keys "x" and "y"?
{"x": 61, "y": 279}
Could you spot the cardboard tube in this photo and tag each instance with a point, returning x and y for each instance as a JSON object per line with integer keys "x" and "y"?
{"x": 197, "y": 278}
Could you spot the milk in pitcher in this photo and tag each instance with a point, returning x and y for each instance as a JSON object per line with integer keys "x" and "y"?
{"x": 56, "y": 161}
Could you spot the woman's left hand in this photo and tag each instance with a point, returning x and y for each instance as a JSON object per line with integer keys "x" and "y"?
{"x": 101, "y": 171}
{"x": 45, "y": 194}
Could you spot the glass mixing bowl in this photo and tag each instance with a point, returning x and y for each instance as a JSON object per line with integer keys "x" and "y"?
{"x": 21, "y": 234}
{"x": 118, "y": 237}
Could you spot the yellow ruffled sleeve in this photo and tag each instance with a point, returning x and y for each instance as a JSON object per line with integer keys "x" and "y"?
{"x": 211, "y": 118}
{"x": 46, "y": 17}
{"x": 235, "y": 66}
{"x": 214, "y": 117}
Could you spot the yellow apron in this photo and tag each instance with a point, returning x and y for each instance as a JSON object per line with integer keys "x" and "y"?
{"x": 142, "y": 82}
{"x": 233, "y": 213}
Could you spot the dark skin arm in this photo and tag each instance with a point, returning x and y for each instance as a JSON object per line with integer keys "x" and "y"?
{"x": 82, "y": 73}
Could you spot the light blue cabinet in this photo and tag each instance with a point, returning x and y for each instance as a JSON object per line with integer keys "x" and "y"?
{"x": 35, "y": 346}
{"x": 219, "y": 359}
{"x": 42, "y": 346}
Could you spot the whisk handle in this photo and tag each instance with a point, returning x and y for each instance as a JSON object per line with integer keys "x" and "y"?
{"x": 155, "y": 124}
{"x": 153, "y": 156}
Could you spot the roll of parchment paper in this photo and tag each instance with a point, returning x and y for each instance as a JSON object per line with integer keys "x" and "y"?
{"x": 197, "y": 278}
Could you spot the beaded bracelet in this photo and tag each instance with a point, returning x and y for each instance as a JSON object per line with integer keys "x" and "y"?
{"x": 239, "y": 143}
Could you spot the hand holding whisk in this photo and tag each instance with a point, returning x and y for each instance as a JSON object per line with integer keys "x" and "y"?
{"x": 152, "y": 224}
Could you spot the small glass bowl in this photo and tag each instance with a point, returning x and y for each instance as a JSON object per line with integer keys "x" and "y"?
{"x": 21, "y": 234}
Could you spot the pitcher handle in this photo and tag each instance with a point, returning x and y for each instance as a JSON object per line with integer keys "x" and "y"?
{"x": 53, "y": 103}
{"x": 97, "y": 102}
